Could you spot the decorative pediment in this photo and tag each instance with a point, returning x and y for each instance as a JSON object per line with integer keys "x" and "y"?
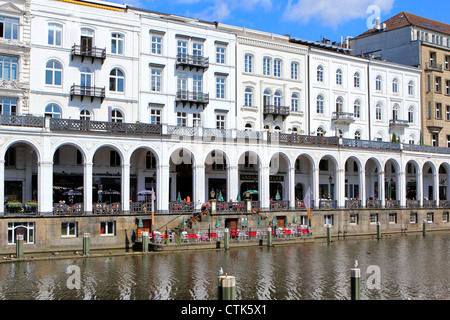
{"x": 11, "y": 8}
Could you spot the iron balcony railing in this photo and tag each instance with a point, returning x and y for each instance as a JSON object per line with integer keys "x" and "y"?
{"x": 192, "y": 97}
{"x": 292, "y": 138}
{"x": 193, "y": 61}
{"x": 343, "y": 117}
{"x": 101, "y": 126}
{"x": 276, "y": 110}
{"x": 87, "y": 91}
{"x": 356, "y": 143}
{"x": 88, "y": 52}
{"x": 398, "y": 123}
{"x": 22, "y": 121}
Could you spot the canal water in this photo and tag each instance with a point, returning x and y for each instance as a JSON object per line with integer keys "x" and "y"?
{"x": 406, "y": 267}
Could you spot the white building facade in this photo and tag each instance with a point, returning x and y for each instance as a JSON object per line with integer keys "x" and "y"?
{"x": 125, "y": 100}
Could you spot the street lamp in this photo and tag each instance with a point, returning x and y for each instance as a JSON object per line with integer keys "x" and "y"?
{"x": 212, "y": 194}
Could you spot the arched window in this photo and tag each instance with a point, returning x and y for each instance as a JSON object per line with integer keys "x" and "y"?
{"x": 116, "y": 80}
{"x": 53, "y": 110}
{"x": 277, "y": 128}
{"x": 320, "y": 73}
{"x": 378, "y": 83}
{"x": 357, "y": 109}
{"x": 266, "y": 97}
{"x": 395, "y": 85}
{"x": 85, "y": 115}
{"x": 116, "y": 116}
{"x": 248, "y": 127}
{"x": 339, "y": 104}
{"x": 319, "y": 104}
{"x": 356, "y": 80}
{"x": 411, "y": 114}
{"x": 277, "y": 98}
{"x": 320, "y": 132}
{"x": 411, "y": 88}
{"x": 248, "y": 97}
{"x": 378, "y": 111}
{"x": 339, "y": 77}
{"x": 53, "y": 73}
{"x": 395, "y": 112}
{"x": 294, "y": 102}
{"x": 357, "y": 135}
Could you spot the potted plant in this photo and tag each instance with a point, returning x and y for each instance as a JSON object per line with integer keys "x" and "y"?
{"x": 30, "y": 205}
{"x": 14, "y": 206}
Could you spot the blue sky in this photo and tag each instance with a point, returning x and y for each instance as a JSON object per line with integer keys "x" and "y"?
{"x": 306, "y": 19}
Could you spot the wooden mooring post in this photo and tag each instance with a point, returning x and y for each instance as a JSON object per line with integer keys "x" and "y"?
{"x": 226, "y": 287}
{"x": 144, "y": 241}
{"x": 86, "y": 244}
{"x": 19, "y": 246}
{"x": 355, "y": 282}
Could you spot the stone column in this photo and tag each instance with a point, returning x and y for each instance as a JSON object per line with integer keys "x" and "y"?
{"x": 87, "y": 187}
{"x": 381, "y": 191}
{"x": 233, "y": 182}
{"x": 362, "y": 187}
{"x": 401, "y": 188}
{"x": 198, "y": 187}
{"x": 419, "y": 186}
{"x": 315, "y": 187}
{"x": 125, "y": 194}
{"x": 339, "y": 188}
{"x": 436, "y": 186}
{"x": 291, "y": 185}
{"x": 2, "y": 182}
{"x": 45, "y": 187}
{"x": 162, "y": 187}
{"x": 264, "y": 187}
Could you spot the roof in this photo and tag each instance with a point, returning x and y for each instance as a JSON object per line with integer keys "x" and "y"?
{"x": 404, "y": 19}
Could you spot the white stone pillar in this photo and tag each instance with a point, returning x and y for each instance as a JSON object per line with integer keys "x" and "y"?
{"x": 339, "y": 188}
{"x": 198, "y": 186}
{"x": 45, "y": 187}
{"x": 381, "y": 189}
{"x": 436, "y": 186}
{"x": 162, "y": 187}
{"x": 233, "y": 182}
{"x": 291, "y": 186}
{"x": 419, "y": 186}
{"x": 2, "y": 182}
{"x": 87, "y": 187}
{"x": 315, "y": 187}
{"x": 401, "y": 188}
{"x": 264, "y": 187}
{"x": 362, "y": 187}
{"x": 125, "y": 194}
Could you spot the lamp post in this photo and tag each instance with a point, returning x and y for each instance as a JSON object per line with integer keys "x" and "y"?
{"x": 330, "y": 179}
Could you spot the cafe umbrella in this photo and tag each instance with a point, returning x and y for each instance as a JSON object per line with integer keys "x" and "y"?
{"x": 277, "y": 196}
{"x": 110, "y": 192}
{"x": 217, "y": 223}
{"x": 145, "y": 193}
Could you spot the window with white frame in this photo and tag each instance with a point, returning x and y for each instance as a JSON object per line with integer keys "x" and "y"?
{"x": 107, "y": 228}
{"x": 392, "y": 217}
{"x": 116, "y": 116}
{"x": 354, "y": 218}
{"x": 339, "y": 77}
{"x": 196, "y": 119}
{"x": 85, "y": 114}
{"x": 248, "y": 97}
{"x": 267, "y": 64}
{"x": 9, "y": 67}
{"x": 248, "y": 63}
{"x": 53, "y": 111}
{"x": 197, "y": 49}
{"x": 9, "y": 28}
{"x": 328, "y": 220}
{"x": 395, "y": 110}
{"x": 197, "y": 83}
{"x": 448, "y": 141}
{"x": 116, "y": 80}
{"x": 155, "y": 115}
{"x": 320, "y": 74}
{"x": 319, "y": 104}
{"x": 357, "y": 135}
{"x": 357, "y": 109}
{"x": 156, "y": 79}
{"x": 378, "y": 83}
{"x": 339, "y": 104}
{"x": 69, "y": 229}
{"x": 294, "y": 102}
{"x": 356, "y": 80}
{"x": 379, "y": 111}
{"x": 8, "y": 106}
{"x": 267, "y": 96}
{"x": 182, "y": 49}
{"x": 220, "y": 87}
{"x": 220, "y": 121}
{"x": 277, "y": 68}
{"x": 294, "y": 70}
{"x": 53, "y": 73}
{"x": 220, "y": 54}
{"x": 411, "y": 88}
{"x": 156, "y": 43}
{"x": 277, "y": 98}
{"x": 413, "y": 217}
{"x": 117, "y": 43}
{"x": 395, "y": 85}
{"x": 447, "y": 114}
{"x": 438, "y": 111}
{"x": 27, "y": 229}
{"x": 54, "y": 34}
{"x": 320, "y": 132}
{"x": 373, "y": 218}
{"x": 182, "y": 83}
{"x": 411, "y": 114}
{"x": 181, "y": 119}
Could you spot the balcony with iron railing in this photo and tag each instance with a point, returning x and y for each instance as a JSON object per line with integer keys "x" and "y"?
{"x": 87, "y": 91}
{"x": 192, "y": 61}
{"x": 396, "y": 123}
{"x": 433, "y": 66}
{"x": 276, "y": 110}
{"x": 88, "y": 52}
{"x": 192, "y": 98}
{"x": 343, "y": 118}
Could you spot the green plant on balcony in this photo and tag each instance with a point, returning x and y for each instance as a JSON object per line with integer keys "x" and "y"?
{"x": 31, "y": 203}
{"x": 14, "y": 204}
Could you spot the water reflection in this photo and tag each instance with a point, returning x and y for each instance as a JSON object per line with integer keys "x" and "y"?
{"x": 412, "y": 267}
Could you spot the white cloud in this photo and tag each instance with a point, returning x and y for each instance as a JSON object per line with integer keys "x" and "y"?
{"x": 332, "y": 12}
{"x": 222, "y": 9}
